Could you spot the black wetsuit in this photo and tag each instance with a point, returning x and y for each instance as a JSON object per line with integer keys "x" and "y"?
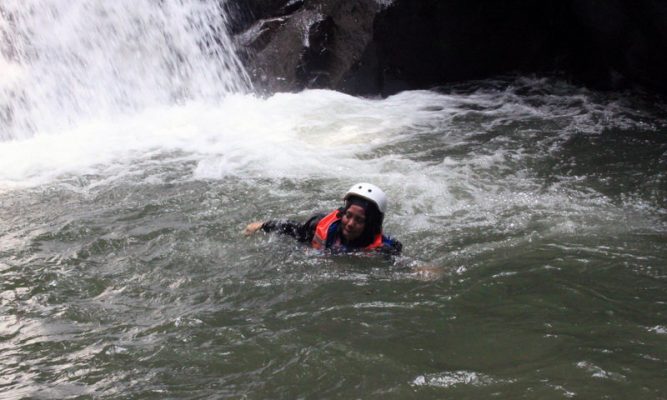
{"x": 304, "y": 232}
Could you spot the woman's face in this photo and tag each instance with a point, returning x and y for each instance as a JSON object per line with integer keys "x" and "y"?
{"x": 354, "y": 221}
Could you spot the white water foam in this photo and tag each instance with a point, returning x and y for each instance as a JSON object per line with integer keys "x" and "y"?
{"x": 659, "y": 329}
{"x": 456, "y": 378}
{"x": 597, "y": 372}
{"x": 321, "y": 135}
{"x": 311, "y": 134}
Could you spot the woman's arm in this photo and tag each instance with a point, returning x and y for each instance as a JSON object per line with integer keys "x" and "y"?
{"x": 303, "y": 232}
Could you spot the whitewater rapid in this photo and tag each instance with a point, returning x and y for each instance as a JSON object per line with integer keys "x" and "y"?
{"x": 479, "y": 153}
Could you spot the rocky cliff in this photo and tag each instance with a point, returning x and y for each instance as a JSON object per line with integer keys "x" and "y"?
{"x": 374, "y": 47}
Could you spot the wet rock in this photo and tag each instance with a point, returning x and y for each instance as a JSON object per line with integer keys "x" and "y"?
{"x": 307, "y": 44}
{"x": 384, "y": 46}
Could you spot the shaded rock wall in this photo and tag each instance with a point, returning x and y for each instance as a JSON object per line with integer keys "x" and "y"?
{"x": 306, "y": 44}
{"x": 383, "y": 46}
{"x": 615, "y": 43}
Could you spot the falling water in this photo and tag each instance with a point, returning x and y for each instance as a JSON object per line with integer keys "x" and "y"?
{"x": 63, "y": 62}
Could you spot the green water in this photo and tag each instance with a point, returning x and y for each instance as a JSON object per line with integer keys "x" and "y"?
{"x": 534, "y": 227}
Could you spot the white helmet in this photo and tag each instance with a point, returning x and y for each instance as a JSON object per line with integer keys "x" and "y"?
{"x": 369, "y": 192}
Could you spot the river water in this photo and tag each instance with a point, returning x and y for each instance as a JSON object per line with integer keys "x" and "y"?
{"x": 532, "y": 212}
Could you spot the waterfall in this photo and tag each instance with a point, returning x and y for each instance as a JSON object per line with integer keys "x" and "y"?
{"x": 63, "y": 62}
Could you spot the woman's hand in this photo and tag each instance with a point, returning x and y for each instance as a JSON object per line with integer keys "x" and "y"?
{"x": 252, "y": 228}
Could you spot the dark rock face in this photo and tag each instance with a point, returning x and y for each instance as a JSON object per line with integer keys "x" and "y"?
{"x": 382, "y": 46}
{"x": 620, "y": 42}
{"x": 426, "y": 42}
{"x": 300, "y": 44}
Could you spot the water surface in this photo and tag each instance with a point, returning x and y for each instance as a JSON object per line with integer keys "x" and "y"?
{"x": 532, "y": 215}
{"x": 133, "y": 153}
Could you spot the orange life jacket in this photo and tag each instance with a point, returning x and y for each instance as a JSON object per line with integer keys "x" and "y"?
{"x": 322, "y": 231}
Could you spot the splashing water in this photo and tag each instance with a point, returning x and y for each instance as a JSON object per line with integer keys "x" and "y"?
{"x": 63, "y": 62}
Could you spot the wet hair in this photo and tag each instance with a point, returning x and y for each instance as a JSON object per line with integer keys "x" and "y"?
{"x": 373, "y": 223}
